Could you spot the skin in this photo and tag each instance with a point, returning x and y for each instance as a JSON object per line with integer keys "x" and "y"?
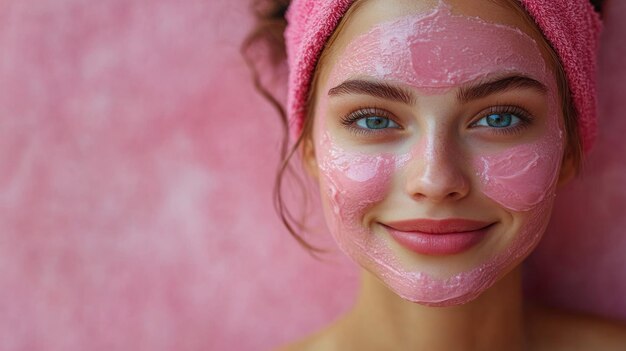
{"x": 439, "y": 161}
{"x": 496, "y": 319}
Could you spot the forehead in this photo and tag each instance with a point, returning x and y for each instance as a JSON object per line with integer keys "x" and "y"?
{"x": 452, "y": 35}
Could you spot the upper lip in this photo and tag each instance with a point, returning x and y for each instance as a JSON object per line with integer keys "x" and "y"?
{"x": 438, "y": 226}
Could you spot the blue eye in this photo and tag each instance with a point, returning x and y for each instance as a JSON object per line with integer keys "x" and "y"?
{"x": 499, "y": 120}
{"x": 504, "y": 120}
{"x": 376, "y": 122}
{"x": 369, "y": 120}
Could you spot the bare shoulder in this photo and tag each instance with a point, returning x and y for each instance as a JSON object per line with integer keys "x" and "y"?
{"x": 552, "y": 329}
{"x": 321, "y": 340}
{"x": 308, "y": 344}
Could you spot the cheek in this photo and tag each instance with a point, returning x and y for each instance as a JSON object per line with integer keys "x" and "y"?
{"x": 522, "y": 177}
{"x": 351, "y": 183}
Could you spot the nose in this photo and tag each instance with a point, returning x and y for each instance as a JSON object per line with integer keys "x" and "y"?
{"x": 435, "y": 171}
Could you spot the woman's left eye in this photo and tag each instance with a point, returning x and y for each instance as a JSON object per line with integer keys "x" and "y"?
{"x": 499, "y": 120}
{"x": 504, "y": 119}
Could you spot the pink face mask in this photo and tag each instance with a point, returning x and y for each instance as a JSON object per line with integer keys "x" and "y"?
{"x": 434, "y": 53}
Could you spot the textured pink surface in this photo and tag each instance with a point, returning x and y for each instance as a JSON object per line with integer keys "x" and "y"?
{"x": 581, "y": 263}
{"x": 573, "y": 29}
{"x": 311, "y": 23}
{"x": 135, "y": 185}
{"x": 136, "y": 165}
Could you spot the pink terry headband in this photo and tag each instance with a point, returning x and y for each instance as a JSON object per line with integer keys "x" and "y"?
{"x": 571, "y": 26}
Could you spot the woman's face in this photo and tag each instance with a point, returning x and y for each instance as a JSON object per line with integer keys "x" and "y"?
{"x": 437, "y": 143}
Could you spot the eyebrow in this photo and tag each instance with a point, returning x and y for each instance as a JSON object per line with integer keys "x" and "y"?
{"x": 481, "y": 90}
{"x": 465, "y": 94}
{"x": 376, "y": 89}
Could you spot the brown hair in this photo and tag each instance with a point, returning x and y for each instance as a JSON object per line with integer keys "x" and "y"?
{"x": 270, "y": 28}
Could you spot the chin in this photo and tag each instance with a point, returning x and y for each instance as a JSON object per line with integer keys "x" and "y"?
{"x": 454, "y": 298}
{"x": 460, "y": 288}
{"x": 433, "y": 292}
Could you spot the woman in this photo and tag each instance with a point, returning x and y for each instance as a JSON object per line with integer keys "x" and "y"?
{"x": 439, "y": 133}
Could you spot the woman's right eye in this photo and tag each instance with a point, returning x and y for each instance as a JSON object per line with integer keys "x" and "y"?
{"x": 370, "y": 121}
{"x": 376, "y": 122}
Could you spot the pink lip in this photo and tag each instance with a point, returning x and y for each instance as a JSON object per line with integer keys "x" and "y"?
{"x": 438, "y": 237}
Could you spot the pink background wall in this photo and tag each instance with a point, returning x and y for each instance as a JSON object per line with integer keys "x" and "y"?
{"x": 136, "y": 166}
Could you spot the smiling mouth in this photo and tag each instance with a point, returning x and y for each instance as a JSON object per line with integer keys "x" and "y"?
{"x": 438, "y": 237}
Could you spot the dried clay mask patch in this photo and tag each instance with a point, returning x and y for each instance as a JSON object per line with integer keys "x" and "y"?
{"x": 433, "y": 53}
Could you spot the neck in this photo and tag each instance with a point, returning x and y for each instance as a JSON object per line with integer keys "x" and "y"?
{"x": 493, "y": 321}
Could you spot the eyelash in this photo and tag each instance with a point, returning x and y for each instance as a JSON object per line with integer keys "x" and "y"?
{"x": 525, "y": 119}
{"x": 350, "y": 120}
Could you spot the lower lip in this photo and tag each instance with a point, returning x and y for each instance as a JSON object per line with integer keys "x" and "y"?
{"x": 438, "y": 244}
